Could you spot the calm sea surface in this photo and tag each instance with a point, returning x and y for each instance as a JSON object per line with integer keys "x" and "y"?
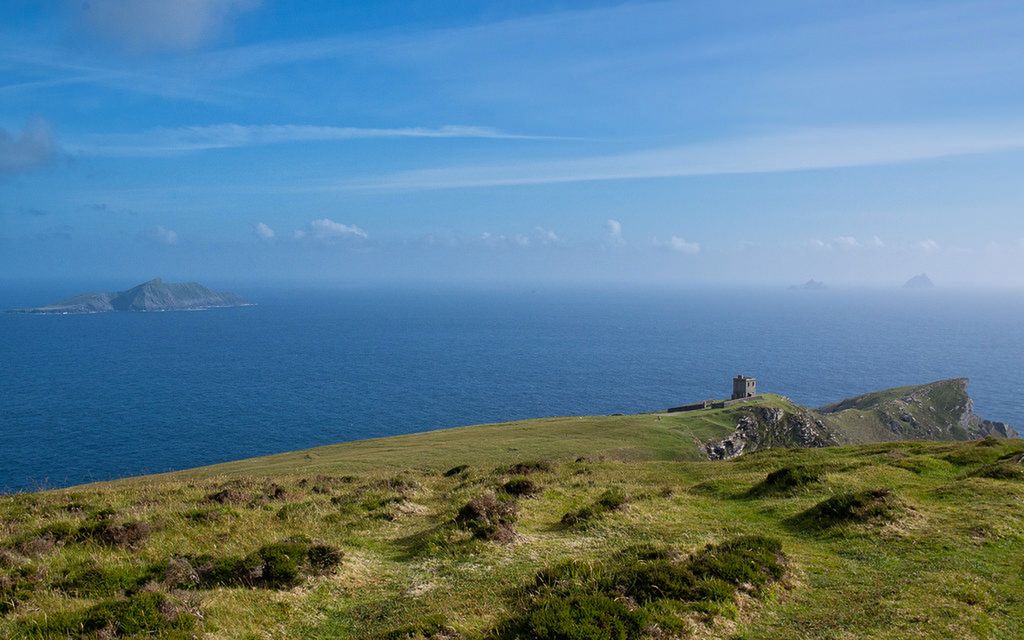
{"x": 93, "y": 397}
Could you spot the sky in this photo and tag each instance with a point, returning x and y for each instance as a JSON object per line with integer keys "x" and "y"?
{"x": 678, "y": 143}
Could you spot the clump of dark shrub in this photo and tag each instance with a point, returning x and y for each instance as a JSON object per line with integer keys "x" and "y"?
{"x": 227, "y": 495}
{"x": 456, "y": 470}
{"x": 207, "y": 515}
{"x": 326, "y": 484}
{"x": 489, "y": 518}
{"x": 642, "y": 588}
{"x": 323, "y": 558}
{"x": 525, "y": 468}
{"x": 179, "y": 572}
{"x": 376, "y": 501}
{"x": 711, "y": 574}
{"x": 106, "y": 513}
{"x": 1004, "y": 470}
{"x": 521, "y": 487}
{"x": 17, "y": 582}
{"x": 125, "y": 535}
{"x": 280, "y": 565}
{"x": 75, "y": 506}
{"x": 92, "y": 579}
{"x": 143, "y": 614}
{"x": 749, "y": 560}
{"x": 786, "y": 480}
{"x": 274, "y": 491}
{"x": 583, "y": 616}
{"x": 128, "y": 534}
{"x": 861, "y": 507}
{"x": 46, "y": 538}
{"x": 611, "y": 500}
{"x": 400, "y": 484}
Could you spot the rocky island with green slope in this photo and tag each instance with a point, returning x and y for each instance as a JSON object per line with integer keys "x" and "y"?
{"x": 890, "y": 515}
{"x": 154, "y": 295}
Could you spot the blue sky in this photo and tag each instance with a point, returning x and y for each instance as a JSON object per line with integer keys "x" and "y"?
{"x": 665, "y": 142}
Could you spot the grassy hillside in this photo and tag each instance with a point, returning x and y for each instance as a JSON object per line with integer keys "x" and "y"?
{"x": 936, "y": 411}
{"x": 567, "y": 527}
{"x": 646, "y": 436}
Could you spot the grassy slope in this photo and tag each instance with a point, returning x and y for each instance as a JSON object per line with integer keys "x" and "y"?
{"x": 865, "y": 418}
{"x": 648, "y": 436}
{"x": 947, "y": 567}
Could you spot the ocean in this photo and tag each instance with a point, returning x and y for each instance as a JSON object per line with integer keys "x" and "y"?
{"x": 95, "y": 397}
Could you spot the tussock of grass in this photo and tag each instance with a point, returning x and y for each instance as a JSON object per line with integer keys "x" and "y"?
{"x": 535, "y": 466}
{"x": 489, "y": 518}
{"x": 873, "y": 506}
{"x": 786, "y": 480}
{"x": 17, "y": 583}
{"x": 1004, "y": 470}
{"x": 207, "y": 515}
{"x": 611, "y": 500}
{"x": 102, "y": 531}
{"x": 521, "y": 487}
{"x": 93, "y": 579}
{"x": 970, "y": 456}
{"x": 148, "y": 613}
{"x": 922, "y": 464}
{"x": 644, "y": 588}
{"x": 577, "y": 616}
{"x": 280, "y": 565}
{"x": 432, "y": 627}
{"x": 456, "y": 470}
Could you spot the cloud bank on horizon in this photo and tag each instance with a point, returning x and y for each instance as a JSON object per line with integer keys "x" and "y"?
{"x": 658, "y": 142}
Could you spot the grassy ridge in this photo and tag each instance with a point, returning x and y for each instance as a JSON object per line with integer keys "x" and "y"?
{"x": 447, "y": 534}
{"x": 647, "y": 436}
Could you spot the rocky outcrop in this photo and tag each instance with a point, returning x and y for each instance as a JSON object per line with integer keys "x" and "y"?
{"x": 765, "y": 427}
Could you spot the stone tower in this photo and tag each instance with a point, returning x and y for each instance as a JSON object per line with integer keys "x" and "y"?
{"x": 743, "y": 387}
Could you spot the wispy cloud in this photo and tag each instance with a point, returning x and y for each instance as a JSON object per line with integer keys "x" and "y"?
{"x": 146, "y": 25}
{"x": 264, "y": 231}
{"x": 328, "y": 231}
{"x": 802, "y": 150}
{"x": 614, "y": 230}
{"x": 171, "y": 141}
{"x": 546, "y": 236}
{"x": 165, "y": 235}
{"x": 681, "y": 245}
{"x": 34, "y": 147}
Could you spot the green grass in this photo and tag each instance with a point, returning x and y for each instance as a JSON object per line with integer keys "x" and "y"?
{"x": 365, "y": 540}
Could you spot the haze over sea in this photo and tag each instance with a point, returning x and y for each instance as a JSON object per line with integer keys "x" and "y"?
{"x": 94, "y": 397}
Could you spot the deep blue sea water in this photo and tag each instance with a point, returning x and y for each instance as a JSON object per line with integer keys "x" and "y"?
{"x": 93, "y": 397}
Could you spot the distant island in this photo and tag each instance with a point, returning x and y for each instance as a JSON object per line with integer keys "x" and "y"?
{"x": 155, "y": 295}
{"x": 921, "y": 281}
{"x": 810, "y": 285}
